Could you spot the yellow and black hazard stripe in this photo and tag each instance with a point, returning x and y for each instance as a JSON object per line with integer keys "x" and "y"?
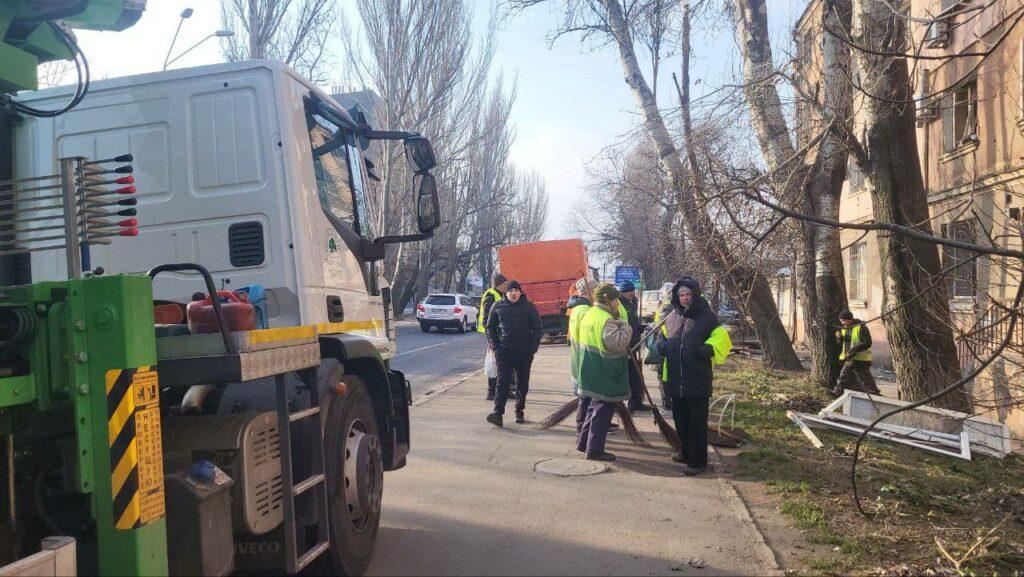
{"x": 124, "y": 455}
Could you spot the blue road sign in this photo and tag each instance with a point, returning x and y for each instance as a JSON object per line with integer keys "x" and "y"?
{"x": 630, "y": 273}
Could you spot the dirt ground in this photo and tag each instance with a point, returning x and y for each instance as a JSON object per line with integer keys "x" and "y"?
{"x": 930, "y": 514}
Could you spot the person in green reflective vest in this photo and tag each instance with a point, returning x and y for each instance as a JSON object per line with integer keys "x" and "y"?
{"x": 603, "y": 337}
{"x": 578, "y": 306}
{"x": 499, "y": 284}
{"x": 855, "y": 354}
{"x": 695, "y": 342}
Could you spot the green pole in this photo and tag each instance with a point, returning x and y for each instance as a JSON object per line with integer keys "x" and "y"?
{"x": 112, "y": 367}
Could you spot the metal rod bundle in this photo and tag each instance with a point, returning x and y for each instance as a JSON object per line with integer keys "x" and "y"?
{"x": 85, "y": 204}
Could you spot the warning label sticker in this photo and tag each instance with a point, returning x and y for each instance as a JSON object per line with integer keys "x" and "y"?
{"x": 151, "y": 464}
{"x": 136, "y": 454}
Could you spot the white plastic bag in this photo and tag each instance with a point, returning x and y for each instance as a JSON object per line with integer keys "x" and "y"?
{"x": 490, "y": 365}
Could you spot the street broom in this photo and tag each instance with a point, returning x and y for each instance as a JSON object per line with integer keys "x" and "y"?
{"x": 666, "y": 429}
{"x": 572, "y": 406}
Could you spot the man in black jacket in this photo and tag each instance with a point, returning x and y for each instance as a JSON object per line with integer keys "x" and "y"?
{"x": 688, "y": 355}
{"x": 513, "y": 333}
{"x": 627, "y": 296}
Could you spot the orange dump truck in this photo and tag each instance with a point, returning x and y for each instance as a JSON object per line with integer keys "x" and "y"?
{"x": 547, "y": 269}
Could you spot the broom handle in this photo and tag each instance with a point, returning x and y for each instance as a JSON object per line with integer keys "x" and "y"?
{"x": 647, "y": 334}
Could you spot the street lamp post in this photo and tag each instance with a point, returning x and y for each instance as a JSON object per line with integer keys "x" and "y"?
{"x": 217, "y": 34}
{"x": 185, "y": 14}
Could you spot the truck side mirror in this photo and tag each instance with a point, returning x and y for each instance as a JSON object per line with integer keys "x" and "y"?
{"x": 420, "y": 154}
{"x": 428, "y": 209}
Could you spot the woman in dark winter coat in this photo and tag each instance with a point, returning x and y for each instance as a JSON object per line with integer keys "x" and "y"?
{"x": 689, "y": 349}
{"x": 513, "y": 333}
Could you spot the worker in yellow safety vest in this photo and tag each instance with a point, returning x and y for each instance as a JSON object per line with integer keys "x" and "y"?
{"x": 693, "y": 344}
{"x": 854, "y": 340}
{"x": 578, "y": 306}
{"x": 499, "y": 284}
{"x": 664, "y": 308}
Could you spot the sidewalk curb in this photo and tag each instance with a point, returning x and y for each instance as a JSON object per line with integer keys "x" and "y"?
{"x": 743, "y": 512}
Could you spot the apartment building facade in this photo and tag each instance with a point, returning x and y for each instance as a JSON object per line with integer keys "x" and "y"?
{"x": 969, "y": 100}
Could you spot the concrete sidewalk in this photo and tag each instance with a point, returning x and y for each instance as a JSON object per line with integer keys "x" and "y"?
{"x": 471, "y": 502}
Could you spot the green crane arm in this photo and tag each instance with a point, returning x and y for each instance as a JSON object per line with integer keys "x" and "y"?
{"x": 27, "y": 40}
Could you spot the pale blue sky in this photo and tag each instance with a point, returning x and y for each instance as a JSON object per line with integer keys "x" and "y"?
{"x": 572, "y": 101}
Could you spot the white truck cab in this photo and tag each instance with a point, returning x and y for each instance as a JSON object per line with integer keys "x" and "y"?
{"x": 244, "y": 167}
{"x": 249, "y": 170}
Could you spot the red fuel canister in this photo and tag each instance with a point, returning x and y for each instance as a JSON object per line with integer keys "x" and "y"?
{"x": 239, "y": 313}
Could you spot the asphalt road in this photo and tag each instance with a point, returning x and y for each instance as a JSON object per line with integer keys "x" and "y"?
{"x": 431, "y": 359}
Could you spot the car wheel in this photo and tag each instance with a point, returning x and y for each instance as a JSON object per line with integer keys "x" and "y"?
{"x": 355, "y": 480}
{"x": 462, "y": 325}
{"x": 425, "y": 327}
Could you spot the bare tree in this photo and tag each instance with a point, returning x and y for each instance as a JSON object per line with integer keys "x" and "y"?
{"x": 608, "y": 19}
{"x": 919, "y": 331}
{"x": 435, "y": 76}
{"x": 815, "y": 186}
{"x": 295, "y": 32}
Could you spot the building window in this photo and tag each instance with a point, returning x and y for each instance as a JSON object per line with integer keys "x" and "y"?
{"x": 961, "y": 126}
{"x": 856, "y": 175}
{"x": 963, "y": 279}
{"x": 857, "y": 278}
{"x": 1020, "y": 78}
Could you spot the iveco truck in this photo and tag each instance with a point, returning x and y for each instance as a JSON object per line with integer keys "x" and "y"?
{"x": 252, "y": 172}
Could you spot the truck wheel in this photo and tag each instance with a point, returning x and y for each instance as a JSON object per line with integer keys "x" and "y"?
{"x": 355, "y": 478}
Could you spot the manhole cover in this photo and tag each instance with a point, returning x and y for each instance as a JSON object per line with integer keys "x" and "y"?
{"x": 570, "y": 467}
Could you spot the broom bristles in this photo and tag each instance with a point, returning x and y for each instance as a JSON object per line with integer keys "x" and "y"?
{"x": 632, "y": 432}
{"x": 667, "y": 431}
{"x": 560, "y": 415}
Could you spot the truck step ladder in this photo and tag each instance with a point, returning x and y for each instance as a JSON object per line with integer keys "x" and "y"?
{"x": 313, "y": 487}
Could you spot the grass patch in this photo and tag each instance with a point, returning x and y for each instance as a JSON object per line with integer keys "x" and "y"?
{"x": 915, "y": 498}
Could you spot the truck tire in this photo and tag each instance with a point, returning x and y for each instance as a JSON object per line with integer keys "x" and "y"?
{"x": 355, "y": 477}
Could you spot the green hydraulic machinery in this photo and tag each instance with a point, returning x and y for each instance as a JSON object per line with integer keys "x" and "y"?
{"x": 31, "y": 32}
{"x": 79, "y": 392}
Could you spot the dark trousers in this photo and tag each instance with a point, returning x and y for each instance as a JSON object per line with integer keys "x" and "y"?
{"x": 691, "y": 418}
{"x": 595, "y": 427}
{"x": 857, "y": 376}
{"x": 636, "y": 385}
{"x": 512, "y": 370}
{"x": 581, "y": 414}
{"x": 666, "y": 396}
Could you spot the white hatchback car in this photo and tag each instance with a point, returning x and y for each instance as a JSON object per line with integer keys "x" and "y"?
{"x": 456, "y": 311}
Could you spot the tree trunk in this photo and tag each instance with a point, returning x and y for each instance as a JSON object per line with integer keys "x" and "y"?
{"x": 821, "y": 269}
{"x": 739, "y": 280}
{"x": 813, "y": 189}
{"x": 919, "y": 330}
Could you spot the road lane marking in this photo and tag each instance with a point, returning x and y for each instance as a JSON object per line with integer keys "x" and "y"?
{"x": 421, "y": 349}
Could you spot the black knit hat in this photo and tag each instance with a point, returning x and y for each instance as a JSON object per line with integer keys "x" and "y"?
{"x": 515, "y": 285}
{"x": 845, "y": 315}
{"x": 690, "y": 283}
{"x": 498, "y": 279}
